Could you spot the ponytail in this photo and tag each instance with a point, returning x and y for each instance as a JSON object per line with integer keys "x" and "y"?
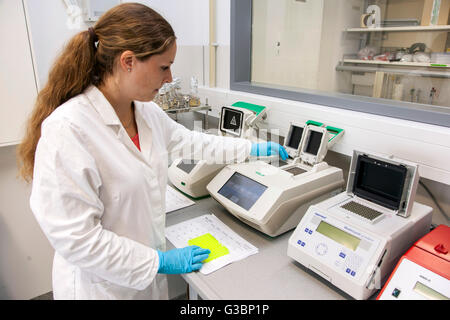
{"x": 128, "y": 26}
{"x": 69, "y": 76}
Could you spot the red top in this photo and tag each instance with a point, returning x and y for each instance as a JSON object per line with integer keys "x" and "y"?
{"x": 135, "y": 139}
{"x": 430, "y": 252}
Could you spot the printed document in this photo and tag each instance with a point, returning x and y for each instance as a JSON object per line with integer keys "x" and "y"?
{"x": 216, "y": 235}
{"x": 175, "y": 200}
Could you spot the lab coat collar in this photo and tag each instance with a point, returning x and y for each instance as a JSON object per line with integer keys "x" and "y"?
{"x": 110, "y": 118}
{"x": 102, "y": 106}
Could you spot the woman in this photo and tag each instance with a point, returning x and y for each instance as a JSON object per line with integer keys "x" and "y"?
{"x": 98, "y": 160}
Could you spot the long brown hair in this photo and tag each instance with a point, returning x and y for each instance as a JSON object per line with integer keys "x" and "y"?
{"x": 88, "y": 58}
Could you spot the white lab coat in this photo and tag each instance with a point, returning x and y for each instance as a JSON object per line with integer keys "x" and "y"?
{"x": 101, "y": 202}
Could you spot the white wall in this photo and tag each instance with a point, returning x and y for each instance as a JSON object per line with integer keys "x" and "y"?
{"x": 25, "y": 253}
{"x": 17, "y": 84}
{"x": 49, "y": 31}
{"x": 190, "y": 21}
{"x": 187, "y": 18}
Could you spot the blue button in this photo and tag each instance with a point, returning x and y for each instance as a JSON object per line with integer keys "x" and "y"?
{"x": 342, "y": 255}
{"x": 353, "y": 273}
{"x": 348, "y": 270}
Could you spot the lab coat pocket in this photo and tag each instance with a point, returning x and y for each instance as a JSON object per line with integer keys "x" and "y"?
{"x": 105, "y": 290}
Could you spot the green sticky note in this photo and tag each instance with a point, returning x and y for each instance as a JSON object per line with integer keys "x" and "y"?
{"x": 207, "y": 241}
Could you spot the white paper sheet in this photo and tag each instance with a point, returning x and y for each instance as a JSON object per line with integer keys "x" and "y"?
{"x": 175, "y": 200}
{"x": 238, "y": 247}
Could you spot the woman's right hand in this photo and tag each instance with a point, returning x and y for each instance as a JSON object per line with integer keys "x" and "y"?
{"x": 182, "y": 260}
{"x": 267, "y": 149}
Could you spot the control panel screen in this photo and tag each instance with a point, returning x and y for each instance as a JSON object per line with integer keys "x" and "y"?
{"x": 379, "y": 181}
{"x": 231, "y": 121}
{"x": 427, "y": 292}
{"x": 338, "y": 235}
{"x": 242, "y": 190}
{"x": 295, "y": 137}
{"x": 314, "y": 140}
{"x": 187, "y": 165}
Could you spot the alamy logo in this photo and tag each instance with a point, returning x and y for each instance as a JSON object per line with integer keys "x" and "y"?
{"x": 223, "y": 151}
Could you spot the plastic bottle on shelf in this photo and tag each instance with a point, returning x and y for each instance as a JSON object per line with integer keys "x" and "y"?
{"x": 177, "y": 96}
{"x": 397, "y": 92}
{"x": 164, "y": 99}
{"x": 194, "y": 100}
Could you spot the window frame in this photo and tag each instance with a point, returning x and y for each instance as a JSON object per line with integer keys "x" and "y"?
{"x": 240, "y": 80}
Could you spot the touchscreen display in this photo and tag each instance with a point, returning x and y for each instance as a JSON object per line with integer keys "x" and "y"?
{"x": 231, "y": 120}
{"x": 314, "y": 141}
{"x": 187, "y": 165}
{"x": 242, "y": 190}
{"x": 295, "y": 137}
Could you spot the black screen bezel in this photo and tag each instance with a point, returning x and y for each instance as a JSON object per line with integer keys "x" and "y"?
{"x": 222, "y": 118}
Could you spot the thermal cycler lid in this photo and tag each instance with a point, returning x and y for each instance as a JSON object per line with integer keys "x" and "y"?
{"x": 432, "y": 251}
{"x": 388, "y": 182}
{"x": 307, "y": 142}
{"x": 314, "y": 145}
{"x": 310, "y": 141}
{"x": 231, "y": 121}
{"x": 437, "y": 242}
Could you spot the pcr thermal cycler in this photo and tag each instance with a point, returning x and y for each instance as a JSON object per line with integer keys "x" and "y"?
{"x": 273, "y": 199}
{"x": 192, "y": 176}
{"x": 423, "y": 273}
{"x": 354, "y": 239}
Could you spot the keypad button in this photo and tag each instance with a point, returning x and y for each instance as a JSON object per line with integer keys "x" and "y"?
{"x": 396, "y": 292}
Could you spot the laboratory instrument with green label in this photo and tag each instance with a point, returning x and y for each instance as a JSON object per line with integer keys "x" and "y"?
{"x": 273, "y": 199}
{"x": 239, "y": 120}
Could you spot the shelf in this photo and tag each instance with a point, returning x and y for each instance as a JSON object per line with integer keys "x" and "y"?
{"x": 398, "y": 63}
{"x": 189, "y": 109}
{"x": 416, "y": 72}
{"x": 401, "y": 29}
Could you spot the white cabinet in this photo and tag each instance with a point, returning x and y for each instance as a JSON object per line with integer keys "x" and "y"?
{"x": 18, "y": 89}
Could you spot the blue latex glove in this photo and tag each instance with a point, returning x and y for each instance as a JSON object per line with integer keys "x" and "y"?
{"x": 182, "y": 260}
{"x": 268, "y": 149}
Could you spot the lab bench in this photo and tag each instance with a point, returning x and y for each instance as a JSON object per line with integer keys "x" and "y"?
{"x": 268, "y": 275}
